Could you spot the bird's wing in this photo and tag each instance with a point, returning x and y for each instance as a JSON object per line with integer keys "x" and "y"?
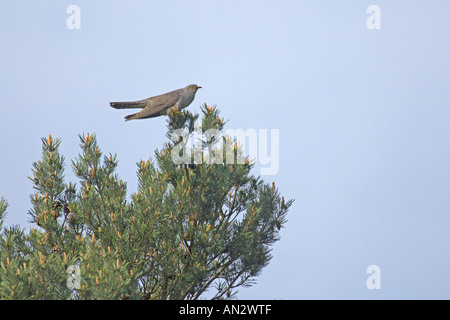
{"x": 157, "y": 104}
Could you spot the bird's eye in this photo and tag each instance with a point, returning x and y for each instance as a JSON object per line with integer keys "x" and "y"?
{"x": 192, "y": 87}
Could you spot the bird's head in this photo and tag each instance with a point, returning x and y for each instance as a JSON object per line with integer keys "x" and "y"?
{"x": 193, "y": 87}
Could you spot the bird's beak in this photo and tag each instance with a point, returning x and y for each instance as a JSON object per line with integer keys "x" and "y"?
{"x": 199, "y": 87}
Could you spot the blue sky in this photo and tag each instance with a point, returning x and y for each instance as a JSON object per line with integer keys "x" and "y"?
{"x": 363, "y": 117}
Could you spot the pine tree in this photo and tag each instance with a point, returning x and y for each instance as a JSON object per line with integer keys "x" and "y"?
{"x": 191, "y": 230}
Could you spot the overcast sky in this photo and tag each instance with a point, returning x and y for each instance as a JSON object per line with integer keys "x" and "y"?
{"x": 363, "y": 116}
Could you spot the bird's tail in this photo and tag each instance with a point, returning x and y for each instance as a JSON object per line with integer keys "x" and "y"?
{"x": 128, "y": 105}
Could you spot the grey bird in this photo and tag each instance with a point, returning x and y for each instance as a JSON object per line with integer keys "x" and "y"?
{"x": 159, "y": 105}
